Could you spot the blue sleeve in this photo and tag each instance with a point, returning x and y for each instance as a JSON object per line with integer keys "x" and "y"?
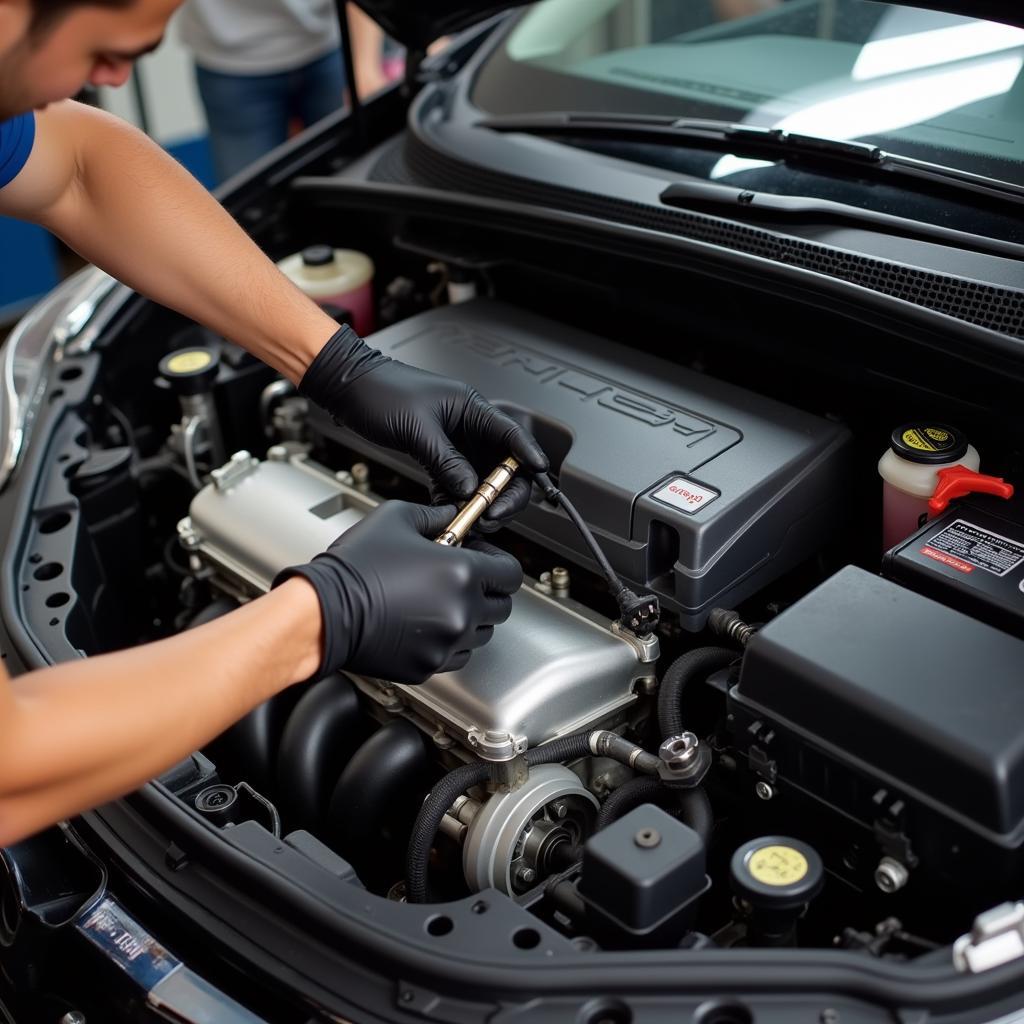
{"x": 16, "y": 138}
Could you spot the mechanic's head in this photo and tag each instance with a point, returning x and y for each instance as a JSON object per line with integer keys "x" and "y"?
{"x": 49, "y": 49}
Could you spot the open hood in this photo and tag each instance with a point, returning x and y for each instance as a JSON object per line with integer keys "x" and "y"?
{"x": 417, "y": 23}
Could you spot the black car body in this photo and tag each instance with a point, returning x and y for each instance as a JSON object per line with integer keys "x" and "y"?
{"x": 714, "y": 356}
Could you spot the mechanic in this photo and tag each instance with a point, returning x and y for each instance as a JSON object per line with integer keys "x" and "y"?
{"x": 383, "y": 600}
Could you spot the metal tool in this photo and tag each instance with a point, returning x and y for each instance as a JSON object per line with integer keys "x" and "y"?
{"x": 490, "y": 487}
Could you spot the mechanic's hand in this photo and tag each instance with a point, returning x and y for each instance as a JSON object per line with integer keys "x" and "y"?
{"x": 447, "y": 426}
{"x": 399, "y": 607}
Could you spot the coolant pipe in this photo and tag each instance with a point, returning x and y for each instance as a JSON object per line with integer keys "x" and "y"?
{"x": 694, "y": 665}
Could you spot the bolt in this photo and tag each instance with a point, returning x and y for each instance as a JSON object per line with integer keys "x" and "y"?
{"x": 277, "y": 453}
{"x": 764, "y": 790}
{"x": 745, "y": 198}
{"x": 73, "y": 1017}
{"x": 647, "y": 838}
{"x": 526, "y": 876}
{"x": 361, "y": 475}
{"x": 408, "y": 996}
{"x": 679, "y": 751}
{"x": 560, "y": 581}
{"x": 891, "y": 875}
{"x": 829, "y": 1016}
{"x": 559, "y": 809}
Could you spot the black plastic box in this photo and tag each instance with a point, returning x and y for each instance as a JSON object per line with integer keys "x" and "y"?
{"x": 902, "y": 713}
{"x": 643, "y": 874}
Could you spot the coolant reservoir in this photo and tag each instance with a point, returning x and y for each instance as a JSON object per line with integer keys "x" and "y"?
{"x": 335, "y": 277}
{"x": 909, "y": 469}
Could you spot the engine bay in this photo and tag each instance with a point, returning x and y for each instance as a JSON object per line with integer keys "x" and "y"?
{"x": 803, "y": 754}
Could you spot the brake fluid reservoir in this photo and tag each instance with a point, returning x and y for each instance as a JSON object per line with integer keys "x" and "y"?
{"x": 909, "y": 469}
{"x": 335, "y": 277}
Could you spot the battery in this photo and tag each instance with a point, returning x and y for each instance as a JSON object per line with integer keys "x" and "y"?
{"x": 971, "y": 558}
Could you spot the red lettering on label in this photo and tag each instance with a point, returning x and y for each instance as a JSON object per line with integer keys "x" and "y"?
{"x": 693, "y": 499}
{"x": 947, "y": 559}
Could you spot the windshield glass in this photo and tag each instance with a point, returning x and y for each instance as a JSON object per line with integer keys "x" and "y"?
{"x": 938, "y": 87}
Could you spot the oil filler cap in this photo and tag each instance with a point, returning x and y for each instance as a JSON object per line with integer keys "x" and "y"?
{"x": 190, "y": 371}
{"x": 777, "y": 873}
{"x": 928, "y": 443}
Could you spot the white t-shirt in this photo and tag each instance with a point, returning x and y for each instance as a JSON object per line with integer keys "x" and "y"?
{"x": 258, "y": 37}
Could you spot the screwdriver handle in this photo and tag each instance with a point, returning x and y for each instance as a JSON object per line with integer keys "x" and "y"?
{"x": 490, "y": 487}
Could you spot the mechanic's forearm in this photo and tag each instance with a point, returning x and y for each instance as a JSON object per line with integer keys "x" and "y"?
{"x": 81, "y": 733}
{"x": 136, "y": 213}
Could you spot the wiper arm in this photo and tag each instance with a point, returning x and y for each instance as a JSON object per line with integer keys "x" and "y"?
{"x": 747, "y": 205}
{"x": 750, "y": 140}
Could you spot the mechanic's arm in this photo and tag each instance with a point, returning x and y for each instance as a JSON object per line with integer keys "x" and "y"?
{"x": 120, "y": 201}
{"x": 80, "y": 733}
{"x": 384, "y": 600}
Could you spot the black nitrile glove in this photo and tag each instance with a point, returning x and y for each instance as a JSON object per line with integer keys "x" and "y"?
{"x": 399, "y": 607}
{"x": 447, "y": 426}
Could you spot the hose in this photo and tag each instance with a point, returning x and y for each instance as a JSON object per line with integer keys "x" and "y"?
{"x": 694, "y": 806}
{"x": 696, "y": 664}
{"x": 453, "y": 785}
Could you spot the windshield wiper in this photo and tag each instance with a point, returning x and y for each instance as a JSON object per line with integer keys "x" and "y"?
{"x": 748, "y": 205}
{"x": 750, "y": 140}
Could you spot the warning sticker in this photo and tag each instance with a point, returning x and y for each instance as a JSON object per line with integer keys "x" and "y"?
{"x": 685, "y": 495}
{"x": 966, "y": 547}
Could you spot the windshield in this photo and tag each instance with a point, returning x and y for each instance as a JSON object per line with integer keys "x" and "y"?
{"x": 938, "y": 87}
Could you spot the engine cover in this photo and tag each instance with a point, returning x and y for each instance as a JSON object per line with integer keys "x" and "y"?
{"x": 552, "y": 669}
{"x": 697, "y": 490}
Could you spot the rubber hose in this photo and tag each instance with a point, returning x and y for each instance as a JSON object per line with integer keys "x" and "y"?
{"x": 629, "y": 796}
{"x": 453, "y": 785}
{"x": 694, "y": 806}
{"x": 696, "y": 664}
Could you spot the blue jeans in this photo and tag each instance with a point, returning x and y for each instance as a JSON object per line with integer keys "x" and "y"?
{"x": 249, "y": 115}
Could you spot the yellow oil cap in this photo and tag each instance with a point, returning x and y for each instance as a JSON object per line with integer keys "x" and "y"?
{"x": 777, "y": 872}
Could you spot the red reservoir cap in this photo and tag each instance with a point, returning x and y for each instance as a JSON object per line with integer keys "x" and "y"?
{"x": 958, "y": 481}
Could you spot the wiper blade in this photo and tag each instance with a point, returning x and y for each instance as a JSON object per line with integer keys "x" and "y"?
{"x": 750, "y": 140}
{"x": 747, "y": 205}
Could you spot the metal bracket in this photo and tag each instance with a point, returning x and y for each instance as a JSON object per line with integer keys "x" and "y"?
{"x": 237, "y": 468}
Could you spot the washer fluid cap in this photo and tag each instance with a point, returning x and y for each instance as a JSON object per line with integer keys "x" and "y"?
{"x": 777, "y": 873}
{"x": 190, "y": 371}
{"x": 928, "y": 443}
{"x": 317, "y": 256}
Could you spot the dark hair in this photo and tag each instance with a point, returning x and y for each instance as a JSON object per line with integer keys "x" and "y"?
{"x": 45, "y": 13}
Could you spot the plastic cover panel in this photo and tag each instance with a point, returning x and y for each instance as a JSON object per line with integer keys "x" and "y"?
{"x": 756, "y": 484}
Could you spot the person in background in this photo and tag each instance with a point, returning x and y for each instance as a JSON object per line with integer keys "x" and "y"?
{"x": 263, "y": 65}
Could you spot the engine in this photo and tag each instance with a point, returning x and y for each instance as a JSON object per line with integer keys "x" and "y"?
{"x": 699, "y": 783}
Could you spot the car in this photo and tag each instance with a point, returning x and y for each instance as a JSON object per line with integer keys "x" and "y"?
{"x": 751, "y": 746}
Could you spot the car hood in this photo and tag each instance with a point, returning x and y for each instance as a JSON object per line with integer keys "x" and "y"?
{"x": 417, "y": 23}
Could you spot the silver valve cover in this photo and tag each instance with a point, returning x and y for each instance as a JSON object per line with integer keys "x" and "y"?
{"x": 552, "y": 669}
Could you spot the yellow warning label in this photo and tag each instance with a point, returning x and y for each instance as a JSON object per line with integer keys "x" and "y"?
{"x": 777, "y": 865}
{"x": 938, "y": 435}
{"x": 918, "y": 439}
{"x": 189, "y": 362}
